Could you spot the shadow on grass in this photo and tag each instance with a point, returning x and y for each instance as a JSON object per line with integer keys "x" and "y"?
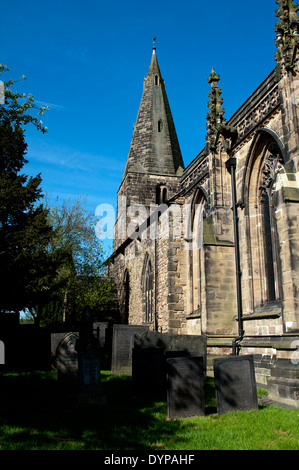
{"x": 36, "y": 413}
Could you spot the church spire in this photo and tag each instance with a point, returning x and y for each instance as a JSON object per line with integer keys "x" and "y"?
{"x": 154, "y": 146}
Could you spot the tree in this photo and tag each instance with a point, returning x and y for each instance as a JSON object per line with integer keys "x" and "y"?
{"x": 26, "y": 264}
{"x": 81, "y": 275}
{"x": 50, "y": 258}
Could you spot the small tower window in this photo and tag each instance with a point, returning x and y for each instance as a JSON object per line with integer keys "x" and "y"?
{"x": 160, "y": 125}
{"x": 161, "y": 194}
{"x": 164, "y": 194}
{"x": 156, "y": 80}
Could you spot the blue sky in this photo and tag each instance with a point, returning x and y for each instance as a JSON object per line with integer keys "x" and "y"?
{"x": 87, "y": 60}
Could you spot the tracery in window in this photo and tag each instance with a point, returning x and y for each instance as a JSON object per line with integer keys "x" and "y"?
{"x": 262, "y": 267}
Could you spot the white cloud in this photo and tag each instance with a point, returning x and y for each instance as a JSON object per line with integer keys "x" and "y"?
{"x": 52, "y": 154}
{"x": 57, "y": 107}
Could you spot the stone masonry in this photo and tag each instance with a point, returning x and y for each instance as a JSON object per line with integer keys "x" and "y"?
{"x": 176, "y": 271}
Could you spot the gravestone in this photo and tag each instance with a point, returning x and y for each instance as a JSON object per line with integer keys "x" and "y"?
{"x": 185, "y": 387}
{"x": 65, "y": 356}
{"x": 100, "y": 332}
{"x": 90, "y": 392}
{"x": 148, "y": 371}
{"x": 122, "y": 345}
{"x": 235, "y": 383}
{"x": 88, "y": 347}
{"x": 191, "y": 345}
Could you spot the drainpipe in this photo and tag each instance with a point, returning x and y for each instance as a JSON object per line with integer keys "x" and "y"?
{"x": 156, "y": 285}
{"x": 231, "y": 164}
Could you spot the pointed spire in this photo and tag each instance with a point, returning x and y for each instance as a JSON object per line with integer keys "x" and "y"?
{"x": 154, "y": 66}
{"x": 287, "y": 29}
{"x": 154, "y": 146}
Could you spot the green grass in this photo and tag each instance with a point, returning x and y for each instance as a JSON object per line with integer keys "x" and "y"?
{"x": 36, "y": 414}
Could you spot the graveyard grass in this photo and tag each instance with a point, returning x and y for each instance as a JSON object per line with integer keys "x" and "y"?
{"x": 36, "y": 415}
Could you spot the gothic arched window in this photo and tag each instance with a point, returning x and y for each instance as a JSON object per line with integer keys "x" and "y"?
{"x": 195, "y": 243}
{"x": 264, "y": 164}
{"x": 273, "y": 163}
{"x": 148, "y": 290}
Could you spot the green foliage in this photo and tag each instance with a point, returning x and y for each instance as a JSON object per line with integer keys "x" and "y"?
{"x": 81, "y": 275}
{"x": 50, "y": 258}
{"x": 25, "y": 261}
{"x": 17, "y": 109}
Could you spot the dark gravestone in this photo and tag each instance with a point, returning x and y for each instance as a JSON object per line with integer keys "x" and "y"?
{"x": 88, "y": 348}
{"x": 235, "y": 383}
{"x": 172, "y": 354}
{"x": 65, "y": 356}
{"x": 185, "y": 387}
{"x": 148, "y": 371}
{"x": 90, "y": 392}
{"x": 122, "y": 345}
{"x": 192, "y": 345}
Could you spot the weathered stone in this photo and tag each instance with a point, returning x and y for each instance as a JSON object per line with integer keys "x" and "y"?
{"x": 122, "y": 345}
{"x": 185, "y": 387}
{"x": 65, "y": 357}
{"x": 188, "y": 344}
{"x": 193, "y": 275}
{"x": 235, "y": 383}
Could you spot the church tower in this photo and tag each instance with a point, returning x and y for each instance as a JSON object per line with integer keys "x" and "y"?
{"x": 154, "y": 163}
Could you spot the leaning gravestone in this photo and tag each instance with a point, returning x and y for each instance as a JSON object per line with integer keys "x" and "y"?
{"x": 185, "y": 387}
{"x": 148, "y": 371}
{"x": 235, "y": 383}
{"x": 122, "y": 345}
{"x": 65, "y": 356}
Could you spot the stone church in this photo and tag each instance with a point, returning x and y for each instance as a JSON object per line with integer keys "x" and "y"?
{"x": 213, "y": 248}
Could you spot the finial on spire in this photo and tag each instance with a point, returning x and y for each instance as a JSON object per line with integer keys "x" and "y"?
{"x": 154, "y": 44}
{"x": 213, "y": 78}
